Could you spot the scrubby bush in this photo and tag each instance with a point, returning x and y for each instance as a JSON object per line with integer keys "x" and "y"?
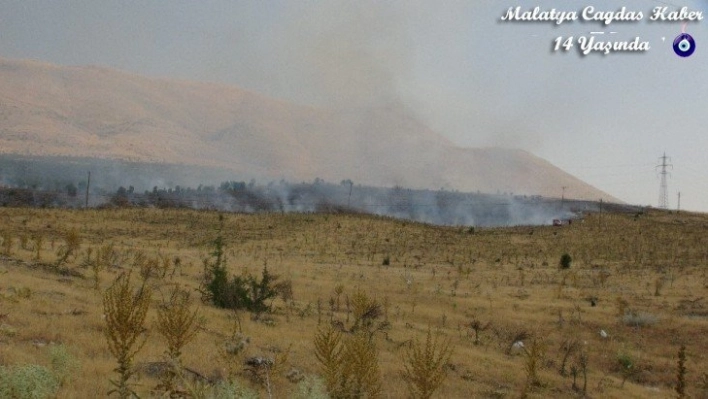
{"x": 242, "y": 292}
{"x": 310, "y": 387}
{"x": 28, "y": 381}
{"x": 72, "y": 242}
{"x": 64, "y": 364}
{"x": 216, "y": 279}
{"x": 565, "y": 261}
{"x": 626, "y": 366}
{"x": 33, "y": 381}
{"x": 639, "y": 319}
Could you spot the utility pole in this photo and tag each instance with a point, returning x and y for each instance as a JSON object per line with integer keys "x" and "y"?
{"x": 349, "y": 198}
{"x": 678, "y": 206}
{"x": 563, "y": 195}
{"x": 663, "y": 189}
{"x": 599, "y": 220}
{"x": 88, "y": 184}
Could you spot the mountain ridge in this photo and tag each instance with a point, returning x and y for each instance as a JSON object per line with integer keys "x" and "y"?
{"x": 93, "y": 111}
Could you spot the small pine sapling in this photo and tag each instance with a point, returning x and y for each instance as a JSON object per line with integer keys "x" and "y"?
{"x": 565, "y": 261}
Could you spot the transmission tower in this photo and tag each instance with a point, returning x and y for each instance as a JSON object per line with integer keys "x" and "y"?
{"x": 663, "y": 189}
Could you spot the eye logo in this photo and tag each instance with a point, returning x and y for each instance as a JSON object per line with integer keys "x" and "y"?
{"x": 684, "y": 45}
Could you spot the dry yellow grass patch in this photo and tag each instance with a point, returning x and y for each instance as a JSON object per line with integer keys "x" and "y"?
{"x": 646, "y": 275}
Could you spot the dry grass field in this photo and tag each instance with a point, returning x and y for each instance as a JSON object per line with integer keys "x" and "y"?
{"x": 641, "y": 279}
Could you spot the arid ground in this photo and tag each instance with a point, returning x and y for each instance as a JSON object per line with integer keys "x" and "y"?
{"x": 609, "y": 325}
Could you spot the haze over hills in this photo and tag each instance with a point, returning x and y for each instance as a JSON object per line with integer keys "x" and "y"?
{"x": 51, "y": 110}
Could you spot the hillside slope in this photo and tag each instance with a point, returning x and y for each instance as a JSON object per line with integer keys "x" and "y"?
{"x": 97, "y": 112}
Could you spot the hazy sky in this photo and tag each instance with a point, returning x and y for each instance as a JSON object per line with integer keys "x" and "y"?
{"x": 475, "y": 79}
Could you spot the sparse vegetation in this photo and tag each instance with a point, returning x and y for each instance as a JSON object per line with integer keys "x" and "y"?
{"x": 63, "y": 364}
{"x": 481, "y": 293}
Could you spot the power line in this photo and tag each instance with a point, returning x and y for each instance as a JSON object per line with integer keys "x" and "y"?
{"x": 624, "y": 165}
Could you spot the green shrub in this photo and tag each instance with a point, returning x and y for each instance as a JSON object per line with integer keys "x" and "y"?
{"x": 240, "y": 292}
{"x": 250, "y": 293}
{"x": 28, "y": 381}
{"x": 565, "y": 261}
{"x": 232, "y": 389}
{"x": 626, "y": 366}
{"x": 64, "y": 364}
{"x": 310, "y": 388}
{"x": 36, "y": 382}
{"x": 216, "y": 278}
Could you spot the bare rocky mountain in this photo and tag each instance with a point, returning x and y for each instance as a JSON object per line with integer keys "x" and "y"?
{"x": 97, "y": 112}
